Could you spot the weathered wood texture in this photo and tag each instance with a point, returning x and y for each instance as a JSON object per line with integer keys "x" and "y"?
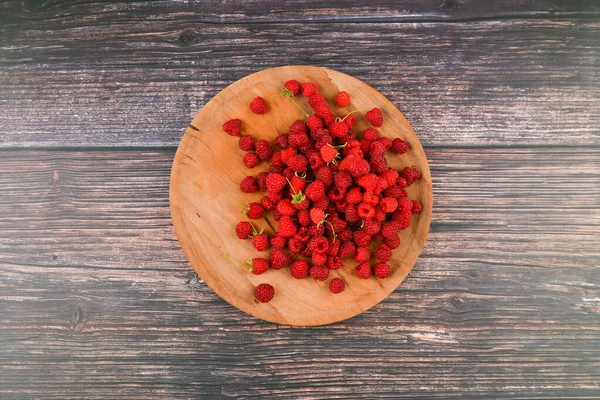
{"x": 137, "y": 80}
{"x": 98, "y": 301}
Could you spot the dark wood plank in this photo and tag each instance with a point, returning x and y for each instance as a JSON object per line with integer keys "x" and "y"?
{"x": 74, "y": 81}
{"x": 98, "y": 301}
{"x": 219, "y": 11}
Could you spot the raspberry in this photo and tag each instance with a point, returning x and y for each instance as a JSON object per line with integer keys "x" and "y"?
{"x": 365, "y": 210}
{"x": 388, "y": 204}
{"x": 370, "y": 134}
{"x": 328, "y": 119}
{"x": 251, "y": 160}
{"x": 246, "y": 142}
{"x": 376, "y": 149}
{"x": 293, "y": 86}
{"x": 243, "y": 229}
{"x": 334, "y": 248}
{"x": 297, "y": 140}
{"x": 336, "y": 194}
{"x": 391, "y": 229}
{"x": 317, "y": 215}
{"x": 313, "y": 122}
{"x": 354, "y": 196}
{"x": 279, "y": 258}
{"x": 296, "y": 245}
{"x": 314, "y": 160}
{"x": 249, "y": 184}
{"x": 399, "y": 146}
{"x": 287, "y": 228}
{"x": 336, "y": 285}
{"x": 264, "y": 292}
{"x": 308, "y": 89}
{"x": 362, "y": 255}
{"x": 255, "y": 211}
{"x": 286, "y": 154}
{"x": 390, "y": 176}
{"x": 288, "y": 173}
{"x": 338, "y": 129}
{"x": 356, "y": 166}
{"x": 351, "y": 214}
{"x": 342, "y": 180}
{"x": 281, "y": 141}
{"x": 297, "y": 126}
{"x": 298, "y": 184}
{"x": 349, "y": 120}
{"x": 316, "y": 230}
{"x": 318, "y": 244}
{"x": 321, "y": 203}
{"x": 260, "y": 241}
{"x": 378, "y": 164}
{"x": 417, "y": 207}
{"x": 371, "y": 226}
{"x": 319, "y": 272}
{"x": 394, "y": 192}
{"x": 304, "y": 218}
{"x": 264, "y": 149}
{"x": 275, "y": 183}
{"x": 278, "y": 242}
{"x": 386, "y": 142}
{"x": 336, "y": 222}
{"x": 342, "y": 99}
{"x": 322, "y": 110}
{"x": 317, "y": 258}
{"x": 345, "y": 234}
{"x": 368, "y": 182}
{"x": 411, "y": 175}
{"x": 347, "y": 250}
{"x": 323, "y": 140}
{"x": 361, "y": 238}
{"x": 299, "y": 269}
{"x": 298, "y": 163}
{"x": 404, "y": 219}
{"x": 258, "y": 105}
{"x": 383, "y": 253}
{"x": 233, "y": 127}
{"x": 363, "y": 270}
{"x": 380, "y": 215}
{"x": 375, "y": 117}
{"x": 401, "y": 182}
{"x": 405, "y": 205}
{"x": 285, "y": 207}
{"x": 392, "y": 243}
{"x": 382, "y": 270}
{"x": 315, "y": 190}
{"x": 258, "y": 266}
{"x": 261, "y": 181}
{"x": 328, "y": 153}
{"x": 325, "y": 175}
{"x": 316, "y": 99}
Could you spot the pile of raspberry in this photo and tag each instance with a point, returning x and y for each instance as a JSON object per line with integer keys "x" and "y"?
{"x": 331, "y": 191}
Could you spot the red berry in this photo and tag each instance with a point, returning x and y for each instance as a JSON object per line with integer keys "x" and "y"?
{"x": 325, "y": 175}
{"x": 259, "y": 266}
{"x": 275, "y": 183}
{"x": 255, "y": 211}
{"x": 278, "y": 242}
{"x": 308, "y": 89}
{"x": 355, "y": 165}
{"x": 378, "y": 164}
{"x": 399, "y": 146}
{"x": 260, "y": 241}
{"x": 354, "y": 196}
{"x": 299, "y": 269}
{"x": 281, "y": 141}
{"x": 243, "y": 229}
{"x": 249, "y": 184}
{"x": 251, "y": 160}
{"x": 298, "y": 163}
{"x": 328, "y": 153}
{"x": 319, "y": 272}
{"x": 368, "y": 182}
{"x": 298, "y": 140}
{"x": 315, "y": 190}
{"x": 416, "y": 207}
{"x": 383, "y": 253}
{"x": 403, "y": 218}
{"x": 376, "y": 149}
{"x": 363, "y": 270}
{"x": 264, "y": 149}
{"x": 361, "y": 238}
{"x": 410, "y": 175}
{"x": 318, "y": 244}
{"x": 246, "y": 142}
{"x": 336, "y": 285}
{"x": 375, "y": 117}
{"x": 313, "y": 122}
{"x": 322, "y": 110}
{"x": 285, "y": 207}
{"x": 293, "y": 86}
{"x": 318, "y": 258}
{"x": 317, "y": 215}
{"x": 370, "y": 134}
{"x": 342, "y": 180}
{"x": 392, "y": 243}
{"x": 382, "y": 270}
{"x": 298, "y": 126}
{"x": 304, "y": 218}
{"x": 388, "y": 204}
{"x": 342, "y": 99}
{"x": 365, "y": 210}
{"x": 362, "y": 255}
{"x": 316, "y": 99}
{"x": 264, "y": 292}
{"x": 279, "y": 258}
{"x": 347, "y": 249}
{"x": 258, "y": 105}
{"x": 391, "y": 229}
{"x": 286, "y": 227}
{"x": 349, "y": 120}
{"x": 338, "y": 129}
{"x": 371, "y": 226}
{"x": 233, "y": 127}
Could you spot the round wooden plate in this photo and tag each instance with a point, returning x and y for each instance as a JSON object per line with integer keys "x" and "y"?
{"x": 205, "y": 178}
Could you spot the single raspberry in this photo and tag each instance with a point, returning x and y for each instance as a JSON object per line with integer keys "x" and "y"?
{"x": 378, "y": 164}
{"x": 365, "y": 210}
{"x": 392, "y": 243}
{"x": 380, "y": 215}
{"x": 249, "y": 184}
{"x": 279, "y": 258}
{"x": 285, "y": 207}
{"x": 314, "y": 160}
{"x": 318, "y": 244}
{"x": 351, "y": 214}
{"x": 298, "y": 163}
{"x": 336, "y": 194}
{"x": 315, "y": 190}
{"x": 361, "y": 238}
{"x": 233, "y": 127}
{"x": 299, "y": 269}
{"x": 319, "y": 272}
{"x": 350, "y": 120}
{"x": 382, "y": 270}
{"x": 404, "y": 219}
{"x": 336, "y": 222}
{"x": 264, "y": 292}
{"x": 376, "y": 149}
{"x": 336, "y": 285}
{"x": 417, "y": 207}
{"x": 264, "y": 149}
{"x": 363, "y": 270}
{"x": 405, "y": 205}
{"x": 298, "y": 140}
{"x": 246, "y": 142}
{"x": 356, "y": 152}
{"x": 334, "y": 248}
{"x": 286, "y": 227}
{"x": 370, "y": 134}
{"x": 399, "y": 146}
{"x": 298, "y": 126}
{"x": 243, "y": 229}
{"x": 388, "y": 204}
{"x": 391, "y": 229}
{"x": 402, "y": 183}
{"x": 258, "y": 105}
{"x": 370, "y": 198}
{"x": 293, "y": 86}
{"x": 255, "y": 211}
{"x": 316, "y": 99}
{"x": 411, "y": 175}
{"x": 302, "y": 204}
{"x": 261, "y": 181}
{"x": 317, "y": 215}
{"x": 365, "y": 146}
{"x": 386, "y": 142}
{"x": 304, "y": 218}
{"x": 354, "y": 196}
{"x": 321, "y": 203}
{"x": 251, "y": 160}
{"x": 281, "y": 141}
{"x": 328, "y": 119}
{"x": 383, "y": 253}
{"x": 308, "y": 89}
{"x": 323, "y": 140}
{"x": 260, "y": 241}
{"x": 345, "y": 235}
{"x": 390, "y": 176}
{"x": 313, "y": 122}
{"x": 278, "y": 242}
{"x": 347, "y": 249}
{"x": 296, "y": 245}
{"x": 375, "y": 117}
{"x": 317, "y": 258}
{"x": 355, "y": 165}
{"x": 338, "y": 129}
{"x": 316, "y": 230}
{"x": 275, "y": 183}
{"x": 325, "y": 175}
{"x": 394, "y": 192}
{"x": 322, "y": 110}
{"x": 368, "y": 182}
{"x": 328, "y": 153}
{"x": 276, "y": 160}
{"x": 342, "y": 99}
{"x": 298, "y": 184}
{"x": 371, "y": 226}
{"x": 258, "y": 266}
{"x": 286, "y": 154}
{"x": 362, "y": 255}
{"x": 343, "y": 180}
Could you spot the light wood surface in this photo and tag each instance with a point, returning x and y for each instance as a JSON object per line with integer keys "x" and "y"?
{"x": 206, "y": 199}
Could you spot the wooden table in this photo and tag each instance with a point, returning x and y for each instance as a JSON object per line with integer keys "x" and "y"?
{"x": 98, "y": 301}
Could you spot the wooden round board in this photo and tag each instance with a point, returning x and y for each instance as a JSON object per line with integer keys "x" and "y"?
{"x": 205, "y": 198}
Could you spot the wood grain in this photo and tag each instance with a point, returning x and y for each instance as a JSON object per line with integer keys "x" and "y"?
{"x": 205, "y": 198}
{"x": 97, "y": 299}
{"x": 70, "y": 81}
